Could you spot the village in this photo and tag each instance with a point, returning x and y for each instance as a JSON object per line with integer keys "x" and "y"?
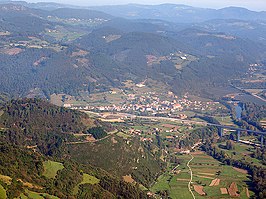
{"x": 153, "y": 104}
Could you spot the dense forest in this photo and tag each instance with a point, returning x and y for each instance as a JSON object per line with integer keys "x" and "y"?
{"x": 33, "y": 122}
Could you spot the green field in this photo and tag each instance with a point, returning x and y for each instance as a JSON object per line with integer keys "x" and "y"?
{"x": 205, "y": 169}
{"x": 123, "y": 135}
{"x": 51, "y": 168}
{"x": 175, "y": 184}
{"x": 2, "y": 192}
{"x": 225, "y": 120}
{"x": 87, "y": 179}
{"x": 241, "y": 152}
{"x": 34, "y": 195}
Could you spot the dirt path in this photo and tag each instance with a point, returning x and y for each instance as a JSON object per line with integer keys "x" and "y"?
{"x": 191, "y": 177}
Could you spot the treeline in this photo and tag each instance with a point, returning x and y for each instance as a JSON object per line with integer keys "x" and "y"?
{"x": 31, "y": 122}
{"x": 244, "y": 123}
{"x": 260, "y": 154}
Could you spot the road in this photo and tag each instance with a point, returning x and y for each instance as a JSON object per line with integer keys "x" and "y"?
{"x": 186, "y": 121}
{"x": 191, "y": 177}
{"x": 86, "y": 141}
{"x": 252, "y": 94}
{"x": 173, "y": 120}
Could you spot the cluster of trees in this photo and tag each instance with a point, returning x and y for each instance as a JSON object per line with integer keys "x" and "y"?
{"x": 230, "y": 145}
{"x": 97, "y": 132}
{"x": 243, "y": 123}
{"x": 199, "y": 135}
{"x": 19, "y": 163}
{"x": 208, "y": 119}
{"x": 253, "y": 113}
{"x": 260, "y": 154}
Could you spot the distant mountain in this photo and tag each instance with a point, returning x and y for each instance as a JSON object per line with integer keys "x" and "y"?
{"x": 67, "y": 13}
{"x": 40, "y": 5}
{"x": 179, "y": 13}
{"x": 75, "y": 50}
{"x": 253, "y": 30}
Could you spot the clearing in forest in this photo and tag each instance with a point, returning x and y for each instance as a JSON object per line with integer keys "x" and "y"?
{"x": 51, "y": 168}
{"x": 128, "y": 178}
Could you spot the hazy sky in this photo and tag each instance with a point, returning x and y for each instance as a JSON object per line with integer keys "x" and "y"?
{"x": 250, "y": 4}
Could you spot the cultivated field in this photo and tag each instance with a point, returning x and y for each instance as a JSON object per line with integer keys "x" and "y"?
{"x": 210, "y": 177}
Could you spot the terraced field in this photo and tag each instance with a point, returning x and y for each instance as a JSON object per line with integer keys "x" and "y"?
{"x": 205, "y": 170}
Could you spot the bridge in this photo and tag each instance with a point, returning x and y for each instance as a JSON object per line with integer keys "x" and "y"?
{"x": 219, "y": 126}
{"x": 238, "y": 131}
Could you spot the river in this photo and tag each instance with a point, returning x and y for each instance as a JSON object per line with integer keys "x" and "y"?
{"x": 238, "y": 110}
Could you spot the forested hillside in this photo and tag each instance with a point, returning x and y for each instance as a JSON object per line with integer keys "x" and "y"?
{"x": 37, "y": 137}
{"x": 70, "y": 51}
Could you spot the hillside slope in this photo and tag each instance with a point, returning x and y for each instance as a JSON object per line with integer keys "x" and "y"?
{"x": 37, "y": 131}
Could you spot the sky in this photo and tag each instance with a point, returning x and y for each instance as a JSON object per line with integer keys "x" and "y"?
{"x": 258, "y": 5}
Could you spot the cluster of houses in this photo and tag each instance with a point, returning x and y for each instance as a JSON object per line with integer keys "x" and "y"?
{"x": 152, "y": 103}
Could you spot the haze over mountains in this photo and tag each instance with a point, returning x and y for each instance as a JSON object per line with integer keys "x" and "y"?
{"x": 100, "y": 50}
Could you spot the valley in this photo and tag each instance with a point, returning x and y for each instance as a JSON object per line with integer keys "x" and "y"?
{"x": 131, "y": 102}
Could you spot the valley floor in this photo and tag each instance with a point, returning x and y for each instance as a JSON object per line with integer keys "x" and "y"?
{"x": 207, "y": 173}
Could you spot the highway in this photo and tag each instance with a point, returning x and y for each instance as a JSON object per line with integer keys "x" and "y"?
{"x": 186, "y": 121}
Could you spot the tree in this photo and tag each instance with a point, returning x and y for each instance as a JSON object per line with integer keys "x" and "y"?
{"x": 230, "y": 145}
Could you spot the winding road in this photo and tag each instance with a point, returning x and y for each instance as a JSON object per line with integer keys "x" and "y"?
{"x": 191, "y": 177}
